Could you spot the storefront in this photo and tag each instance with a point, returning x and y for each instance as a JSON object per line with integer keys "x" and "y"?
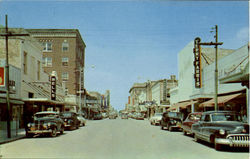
{"x": 16, "y": 114}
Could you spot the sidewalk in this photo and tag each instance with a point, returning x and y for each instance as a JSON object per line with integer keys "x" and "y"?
{"x": 14, "y": 136}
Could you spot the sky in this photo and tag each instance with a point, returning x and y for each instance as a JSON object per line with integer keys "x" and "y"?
{"x": 132, "y": 41}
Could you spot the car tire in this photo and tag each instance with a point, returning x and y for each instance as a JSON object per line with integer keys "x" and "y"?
{"x": 170, "y": 128}
{"x": 184, "y": 132}
{"x": 62, "y": 130}
{"x": 217, "y": 146}
{"x": 196, "y": 139}
{"x": 54, "y": 132}
{"x": 28, "y": 135}
{"x": 162, "y": 128}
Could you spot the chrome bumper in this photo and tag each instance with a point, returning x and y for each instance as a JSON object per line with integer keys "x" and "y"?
{"x": 39, "y": 131}
{"x": 235, "y": 140}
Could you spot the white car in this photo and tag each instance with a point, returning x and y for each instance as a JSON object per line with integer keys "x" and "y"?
{"x": 156, "y": 119}
{"x": 81, "y": 119}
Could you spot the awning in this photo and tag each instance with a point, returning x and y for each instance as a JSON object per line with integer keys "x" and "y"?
{"x": 221, "y": 100}
{"x": 181, "y": 105}
{"x": 42, "y": 100}
{"x": 12, "y": 101}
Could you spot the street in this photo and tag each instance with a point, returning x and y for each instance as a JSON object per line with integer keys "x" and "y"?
{"x": 117, "y": 139}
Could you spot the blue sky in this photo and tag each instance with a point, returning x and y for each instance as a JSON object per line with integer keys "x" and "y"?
{"x": 133, "y": 41}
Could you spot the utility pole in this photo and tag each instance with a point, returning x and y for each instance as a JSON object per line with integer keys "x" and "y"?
{"x": 197, "y": 52}
{"x": 7, "y": 34}
{"x": 216, "y": 71}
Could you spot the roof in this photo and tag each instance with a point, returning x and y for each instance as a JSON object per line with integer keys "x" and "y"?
{"x": 58, "y": 31}
{"x": 220, "y": 111}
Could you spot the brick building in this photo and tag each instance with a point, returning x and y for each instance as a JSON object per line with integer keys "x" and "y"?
{"x": 63, "y": 52}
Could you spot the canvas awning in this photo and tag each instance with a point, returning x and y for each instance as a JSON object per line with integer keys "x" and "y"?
{"x": 221, "y": 100}
{"x": 181, "y": 105}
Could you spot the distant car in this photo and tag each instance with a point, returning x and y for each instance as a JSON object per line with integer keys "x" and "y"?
{"x": 70, "y": 120}
{"x": 112, "y": 116}
{"x": 171, "y": 120}
{"x": 46, "y": 122}
{"x": 155, "y": 120}
{"x": 222, "y": 128}
{"x": 97, "y": 116}
{"x": 191, "y": 119}
{"x": 124, "y": 116}
{"x": 81, "y": 119}
{"x": 139, "y": 116}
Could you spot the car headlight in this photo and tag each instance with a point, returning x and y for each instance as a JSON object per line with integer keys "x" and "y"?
{"x": 222, "y": 132}
{"x": 29, "y": 125}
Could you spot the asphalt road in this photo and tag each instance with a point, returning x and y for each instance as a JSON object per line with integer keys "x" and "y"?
{"x": 117, "y": 139}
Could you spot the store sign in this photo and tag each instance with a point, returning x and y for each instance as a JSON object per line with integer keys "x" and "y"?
{"x": 197, "y": 63}
{"x": 2, "y": 77}
{"x": 53, "y": 87}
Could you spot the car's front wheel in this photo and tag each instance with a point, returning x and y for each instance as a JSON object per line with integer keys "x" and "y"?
{"x": 217, "y": 146}
{"x": 62, "y": 130}
{"x": 53, "y": 133}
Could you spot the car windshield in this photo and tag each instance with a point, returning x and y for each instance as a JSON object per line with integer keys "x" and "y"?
{"x": 48, "y": 115}
{"x": 66, "y": 115}
{"x": 158, "y": 114}
{"x": 226, "y": 117}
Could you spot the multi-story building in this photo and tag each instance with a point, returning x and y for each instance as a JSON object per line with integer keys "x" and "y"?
{"x": 63, "y": 52}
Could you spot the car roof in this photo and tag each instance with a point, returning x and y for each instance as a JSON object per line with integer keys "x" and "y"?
{"x": 221, "y": 111}
{"x": 47, "y": 112}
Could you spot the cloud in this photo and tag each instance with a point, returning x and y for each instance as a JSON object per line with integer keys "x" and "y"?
{"x": 243, "y": 34}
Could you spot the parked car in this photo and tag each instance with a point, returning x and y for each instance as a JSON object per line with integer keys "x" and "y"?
{"x": 97, "y": 116}
{"x": 81, "y": 119}
{"x": 112, "y": 115}
{"x": 171, "y": 120}
{"x": 46, "y": 122}
{"x": 155, "y": 120}
{"x": 191, "y": 119}
{"x": 70, "y": 120}
{"x": 139, "y": 116}
{"x": 222, "y": 128}
{"x": 124, "y": 116}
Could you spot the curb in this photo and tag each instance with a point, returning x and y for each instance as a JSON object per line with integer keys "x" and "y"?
{"x": 12, "y": 139}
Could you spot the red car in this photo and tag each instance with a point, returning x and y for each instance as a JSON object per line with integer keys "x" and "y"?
{"x": 190, "y": 120}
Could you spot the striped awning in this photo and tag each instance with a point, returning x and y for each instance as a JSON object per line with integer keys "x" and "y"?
{"x": 221, "y": 100}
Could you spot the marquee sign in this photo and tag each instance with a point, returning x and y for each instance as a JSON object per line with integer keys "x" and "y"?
{"x": 197, "y": 63}
{"x": 53, "y": 87}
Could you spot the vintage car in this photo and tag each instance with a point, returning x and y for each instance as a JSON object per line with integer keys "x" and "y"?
{"x": 155, "y": 120}
{"x": 81, "y": 119}
{"x": 191, "y": 119}
{"x": 124, "y": 116}
{"x": 139, "y": 116}
{"x": 97, "y": 116}
{"x": 171, "y": 120}
{"x": 222, "y": 128}
{"x": 46, "y": 122}
{"x": 112, "y": 115}
{"x": 70, "y": 120}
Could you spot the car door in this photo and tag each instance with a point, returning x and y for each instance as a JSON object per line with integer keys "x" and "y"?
{"x": 205, "y": 129}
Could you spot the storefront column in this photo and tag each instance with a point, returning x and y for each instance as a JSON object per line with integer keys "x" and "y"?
{"x": 247, "y": 103}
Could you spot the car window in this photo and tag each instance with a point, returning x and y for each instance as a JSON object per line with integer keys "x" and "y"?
{"x": 207, "y": 118}
{"x": 226, "y": 117}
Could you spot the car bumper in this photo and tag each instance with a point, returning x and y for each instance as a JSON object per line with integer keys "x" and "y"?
{"x": 39, "y": 131}
{"x": 234, "y": 140}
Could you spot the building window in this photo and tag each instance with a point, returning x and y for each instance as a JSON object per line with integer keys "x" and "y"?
{"x": 25, "y": 62}
{"x": 65, "y": 76}
{"x": 38, "y": 69}
{"x": 47, "y": 46}
{"x": 47, "y": 62}
{"x": 65, "y": 61}
{"x": 65, "y": 46}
